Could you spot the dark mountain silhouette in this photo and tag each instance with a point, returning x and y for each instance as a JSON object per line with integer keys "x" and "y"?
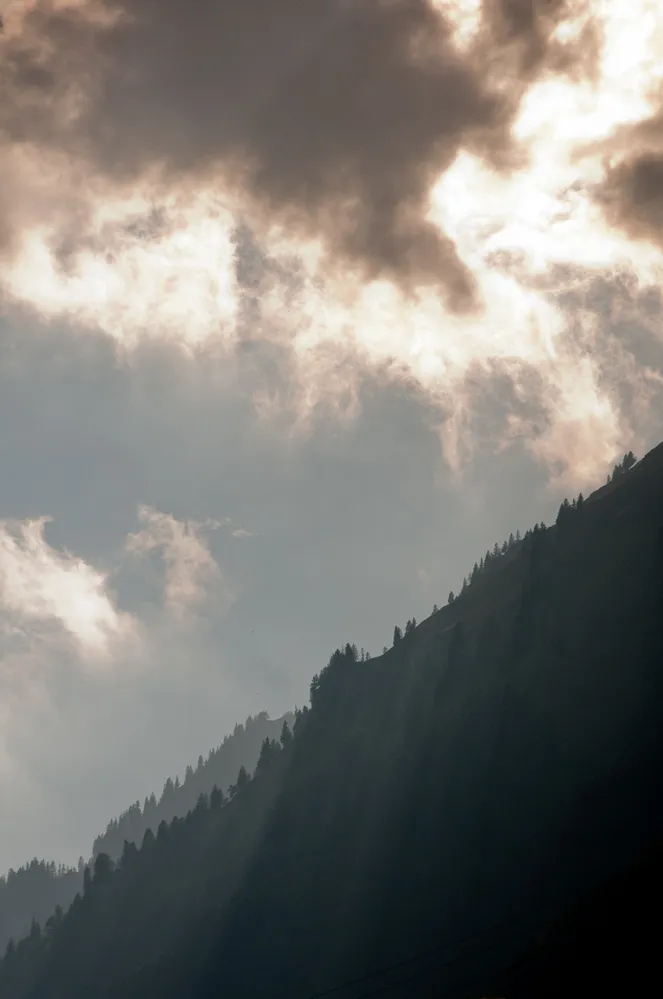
{"x": 33, "y": 891}
{"x": 500, "y": 760}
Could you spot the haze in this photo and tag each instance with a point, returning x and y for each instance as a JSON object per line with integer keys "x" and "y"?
{"x": 291, "y": 295}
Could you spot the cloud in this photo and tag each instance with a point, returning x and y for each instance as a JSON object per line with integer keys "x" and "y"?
{"x": 333, "y": 119}
{"x": 136, "y": 263}
{"x": 87, "y": 439}
{"x": 431, "y": 191}
{"x": 74, "y": 664}
{"x": 338, "y": 118}
{"x": 49, "y": 596}
{"x": 632, "y": 191}
{"x": 191, "y": 573}
{"x": 42, "y": 588}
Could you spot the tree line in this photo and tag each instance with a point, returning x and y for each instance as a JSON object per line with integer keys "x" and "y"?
{"x": 488, "y": 561}
{"x": 32, "y": 892}
{"x": 407, "y": 806}
{"x": 26, "y": 951}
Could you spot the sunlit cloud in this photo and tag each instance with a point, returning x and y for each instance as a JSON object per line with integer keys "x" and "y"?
{"x": 464, "y": 17}
{"x": 154, "y": 255}
{"x": 241, "y": 533}
{"x": 137, "y": 264}
{"x": 42, "y": 587}
{"x": 67, "y": 644}
{"x": 191, "y": 574}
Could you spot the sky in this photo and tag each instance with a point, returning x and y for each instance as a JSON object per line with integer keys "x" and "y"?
{"x": 302, "y": 307}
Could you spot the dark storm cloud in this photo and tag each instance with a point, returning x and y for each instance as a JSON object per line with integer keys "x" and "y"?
{"x": 336, "y": 116}
{"x": 6, "y": 228}
{"x": 632, "y": 195}
{"x": 526, "y": 29}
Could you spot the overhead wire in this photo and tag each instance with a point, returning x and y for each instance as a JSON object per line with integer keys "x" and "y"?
{"x": 422, "y": 955}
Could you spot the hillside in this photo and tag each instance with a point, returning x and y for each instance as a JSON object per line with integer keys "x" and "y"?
{"x": 608, "y": 944}
{"x": 220, "y": 769}
{"x": 502, "y": 758}
{"x": 34, "y": 891}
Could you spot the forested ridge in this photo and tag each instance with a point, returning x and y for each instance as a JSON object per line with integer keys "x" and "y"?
{"x": 502, "y": 757}
{"x": 219, "y": 770}
{"x": 33, "y": 892}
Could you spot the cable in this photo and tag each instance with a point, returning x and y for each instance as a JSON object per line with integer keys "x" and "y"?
{"x": 438, "y": 967}
{"x": 422, "y": 955}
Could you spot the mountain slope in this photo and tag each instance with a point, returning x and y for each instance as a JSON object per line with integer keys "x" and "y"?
{"x": 608, "y": 945}
{"x": 34, "y": 891}
{"x": 504, "y": 755}
{"x": 220, "y": 769}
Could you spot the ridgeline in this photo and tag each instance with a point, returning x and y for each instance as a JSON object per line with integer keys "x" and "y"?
{"x": 498, "y": 762}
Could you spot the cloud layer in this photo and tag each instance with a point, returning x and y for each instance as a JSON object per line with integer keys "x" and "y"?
{"x": 433, "y": 192}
